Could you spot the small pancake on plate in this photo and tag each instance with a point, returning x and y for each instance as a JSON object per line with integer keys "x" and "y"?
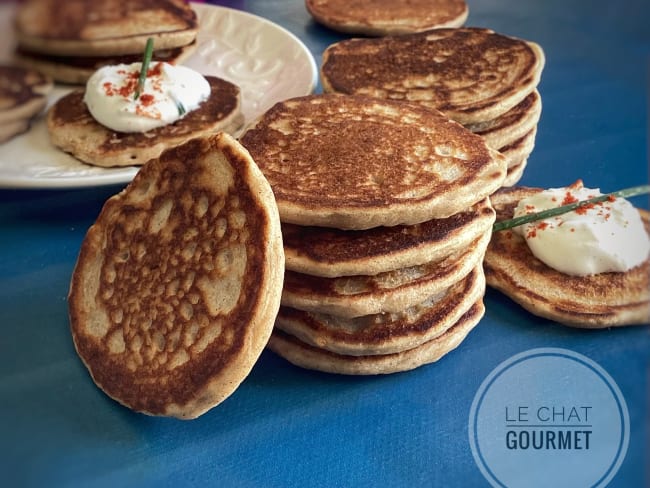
{"x": 353, "y": 162}
{"x": 310, "y": 357}
{"x": 106, "y": 28}
{"x": 77, "y": 69}
{"x": 178, "y": 282}
{"x": 471, "y": 74}
{"x": 390, "y": 291}
{"x": 593, "y": 301}
{"x": 23, "y": 95}
{"x": 385, "y": 332}
{"x": 327, "y": 252}
{"x": 383, "y": 17}
{"x": 74, "y": 130}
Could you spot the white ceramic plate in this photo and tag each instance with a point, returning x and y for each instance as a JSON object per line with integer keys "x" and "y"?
{"x": 268, "y": 63}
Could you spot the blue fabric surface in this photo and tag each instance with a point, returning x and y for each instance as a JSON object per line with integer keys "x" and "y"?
{"x": 290, "y": 427}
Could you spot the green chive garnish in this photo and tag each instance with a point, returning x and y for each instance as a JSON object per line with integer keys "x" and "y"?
{"x": 148, "y": 52}
{"x": 552, "y": 212}
{"x": 181, "y": 108}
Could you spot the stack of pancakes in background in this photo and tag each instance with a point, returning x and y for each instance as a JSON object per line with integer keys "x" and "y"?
{"x": 69, "y": 41}
{"x": 386, "y": 219}
{"x": 23, "y": 95}
{"x": 481, "y": 79}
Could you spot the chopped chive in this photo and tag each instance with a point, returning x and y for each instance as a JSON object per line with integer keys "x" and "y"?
{"x": 148, "y": 52}
{"x": 552, "y": 212}
{"x": 181, "y": 108}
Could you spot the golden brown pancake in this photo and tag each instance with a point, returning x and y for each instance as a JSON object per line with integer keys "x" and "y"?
{"x": 73, "y": 129}
{"x": 321, "y": 251}
{"x": 386, "y": 332}
{"x": 471, "y": 74}
{"x": 595, "y": 301}
{"x": 519, "y": 150}
{"x": 390, "y": 291}
{"x": 515, "y": 173}
{"x": 13, "y": 128}
{"x": 353, "y": 162}
{"x": 178, "y": 282}
{"x": 77, "y": 69}
{"x": 23, "y": 93}
{"x": 311, "y": 357}
{"x": 109, "y": 27}
{"x": 382, "y": 17}
{"x": 514, "y": 124}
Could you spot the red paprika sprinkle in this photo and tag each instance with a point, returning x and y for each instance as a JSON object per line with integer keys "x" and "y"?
{"x": 569, "y": 198}
{"x": 147, "y": 99}
{"x": 108, "y": 89}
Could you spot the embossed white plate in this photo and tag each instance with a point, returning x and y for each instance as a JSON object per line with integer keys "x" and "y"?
{"x": 268, "y": 63}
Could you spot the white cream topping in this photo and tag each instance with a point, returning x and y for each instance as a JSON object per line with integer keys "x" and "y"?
{"x": 169, "y": 93}
{"x": 598, "y": 238}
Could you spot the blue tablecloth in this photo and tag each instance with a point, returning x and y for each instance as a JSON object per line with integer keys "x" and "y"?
{"x": 287, "y": 426}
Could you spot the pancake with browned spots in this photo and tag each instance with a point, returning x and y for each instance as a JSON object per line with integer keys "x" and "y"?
{"x": 109, "y": 27}
{"x": 178, "y": 282}
{"x": 322, "y": 251}
{"x": 390, "y": 291}
{"x": 594, "y": 301}
{"x": 74, "y": 130}
{"x": 512, "y": 125}
{"x": 352, "y": 162}
{"x": 310, "y": 357}
{"x": 519, "y": 150}
{"x": 515, "y": 173}
{"x": 471, "y": 74}
{"x": 23, "y": 95}
{"x": 386, "y": 332}
{"x": 383, "y": 17}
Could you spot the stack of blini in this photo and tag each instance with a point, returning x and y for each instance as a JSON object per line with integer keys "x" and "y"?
{"x": 386, "y": 219}
{"x": 71, "y": 40}
{"x": 477, "y": 77}
{"x": 23, "y": 95}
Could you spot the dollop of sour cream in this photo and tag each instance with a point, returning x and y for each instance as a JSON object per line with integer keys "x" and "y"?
{"x": 597, "y": 238}
{"x": 170, "y": 92}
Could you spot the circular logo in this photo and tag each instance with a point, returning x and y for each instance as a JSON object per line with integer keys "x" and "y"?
{"x": 549, "y": 417}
